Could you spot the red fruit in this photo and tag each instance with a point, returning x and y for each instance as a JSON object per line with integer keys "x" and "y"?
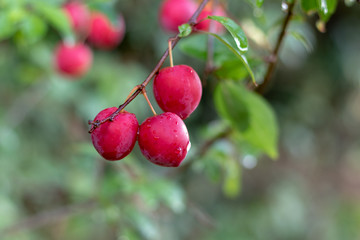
{"x": 178, "y": 90}
{"x": 205, "y": 24}
{"x": 103, "y": 34}
{"x": 174, "y": 13}
{"x": 73, "y": 60}
{"x": 164, "y": 139}
{"x": 115, "y": 140}
{"x": 79, "y": 16}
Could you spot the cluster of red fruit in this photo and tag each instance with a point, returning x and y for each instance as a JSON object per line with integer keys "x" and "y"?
{"x": 163, "y": 139}
{"x": 75, "y": 59}
{"x": 174, "y": 13}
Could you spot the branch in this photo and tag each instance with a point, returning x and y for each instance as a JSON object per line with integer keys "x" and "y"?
{"x": 274, "y": 56}
{"x": 192, "y": 22}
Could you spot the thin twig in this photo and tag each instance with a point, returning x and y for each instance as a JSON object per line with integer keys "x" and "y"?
{"x": 274, "y": 56}
{"x": 192, "y": 22}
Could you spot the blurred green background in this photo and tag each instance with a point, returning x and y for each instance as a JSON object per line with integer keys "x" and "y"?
{"x": 54, "y": 185}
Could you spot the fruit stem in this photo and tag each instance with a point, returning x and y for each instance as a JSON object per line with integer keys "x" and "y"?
{"x": 132, "y": 91}
{"x": 192, "y": 22}
{"x": 143, "y": 91}
{"x": 170, "y": 52}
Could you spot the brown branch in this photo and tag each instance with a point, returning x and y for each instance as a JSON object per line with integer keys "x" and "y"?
{"x": 192, "y": 22}
{"x": 274, "y": 56}
{"x": 49, "y": 217}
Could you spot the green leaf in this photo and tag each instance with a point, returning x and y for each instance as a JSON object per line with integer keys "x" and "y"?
{"x": 196, "y": 46}
{"x": 232, "y": 181}
{"x": 263, "y": 131}
{"x": 237, "y": 53}
{"x": 231, "y": 106}
{"x": 308, "y": 5}
{"x": 326, "y": 8}
{"x": 7, "y": 28}
{"x": 57, "y": 18}
{"x": 235, "y": 30}
{"x": 185, "y": 30}
{"x": 259, "y": 3}
{"x": 250, "y": 114}
{"x": 31, "y": 30}
{"x": 302, "y": 39}
{"x": 232, "y": 69}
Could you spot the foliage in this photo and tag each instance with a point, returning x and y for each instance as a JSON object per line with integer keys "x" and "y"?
{"x": 308, "y": 121}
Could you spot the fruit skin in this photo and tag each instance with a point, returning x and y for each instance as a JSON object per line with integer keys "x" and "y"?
{"x": 164, "y": 139}
{"x": 79, "y": 16}
{"x": 103, "y": 34}
{"x": 174, "y": 13}
{"x": 115, "y": 140}
{"x": 178, "y": 90}
{"x": 73, "y": 60}
{"x": 205, "y": 24}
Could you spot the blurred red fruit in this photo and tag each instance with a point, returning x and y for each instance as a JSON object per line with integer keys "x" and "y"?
{"x": 103, "y": 34}
{"x": 73, "y": 60}
{"x": 205, "y": 24}
{"x": 79, "y": 17}
{"x": 174, "y": 13}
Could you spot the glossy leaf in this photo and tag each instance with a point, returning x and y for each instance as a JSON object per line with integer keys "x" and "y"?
{"x": 184, "y": 30}
{"x": 235, "y": 30}
{"x": 308, "y": 5}
{"x": 237, "y": 53}
{"x": 326, "y": 8}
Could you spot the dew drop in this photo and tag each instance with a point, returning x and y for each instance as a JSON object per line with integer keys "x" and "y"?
{"x": 178, "y": 151}
{"x": 148, "y": 126}
{"x": 284, "y": 6}
{"x": 156, "y": 137}
{"x": 188, "y": 147}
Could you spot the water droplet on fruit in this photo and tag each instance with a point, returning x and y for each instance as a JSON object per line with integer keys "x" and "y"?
{"x": 188, "y": 147}
{"x": 148, "y": 126}
{"x": 178, "y": 151}
{"x": 176, "y": 123}
{"x": 156, "y": 137}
